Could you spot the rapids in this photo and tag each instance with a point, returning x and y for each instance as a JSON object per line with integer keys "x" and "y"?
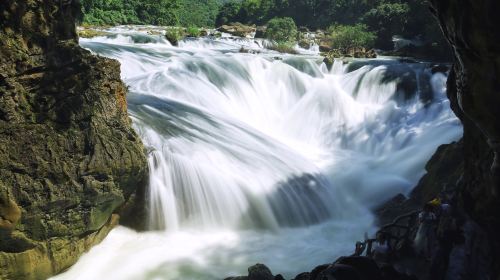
{"x": 264, "y": 157}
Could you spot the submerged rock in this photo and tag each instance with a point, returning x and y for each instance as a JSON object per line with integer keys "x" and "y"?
{"x": 69, "y": 159}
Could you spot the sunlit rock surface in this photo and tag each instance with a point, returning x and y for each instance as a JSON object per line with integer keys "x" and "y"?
{"x": 68, "y": 156}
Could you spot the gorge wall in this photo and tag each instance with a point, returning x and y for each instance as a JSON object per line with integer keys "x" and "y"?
{"x": 471, "y": 27}
{"x": 69, "y": 159}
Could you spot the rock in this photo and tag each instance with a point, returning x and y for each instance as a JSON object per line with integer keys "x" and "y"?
{"x": 90, "y": 33}
{"x": 429, "y": 52}
{"x": 303, "y": 276}
{"x": 260, "y": 32}
{"x": 366, "y": 267}
{"x": 325, "y": 46}
{"x": 279, "y": 277}
{"x": 10, "y": 213}
{"x": 390, "y": 273}
{"x": 175, "y": 34}
{"x": 305, "y": 44}
{"x": 238, "y": 29}
{"x": 204, "y": 33}
{"x": 340, "y": 272}
{"x": 472, "y": 29}
{"x": 317, "y": 271}
{"x": 440, "y": 68}
{"x": 444, "y": 168}
{"x": 397, "y": 206}
{"x": 259, "y": 272}
{"x": 332, "y": 54}
{"x": 69, "y": 159}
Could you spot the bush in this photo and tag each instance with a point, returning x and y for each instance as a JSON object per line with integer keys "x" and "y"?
{"x": 281, "y": 30}
{"x": 345, "y": 37}
{"x": 174, "y": 35}
{"x": 193, "y": 31}
{"x": 283, "y": 48}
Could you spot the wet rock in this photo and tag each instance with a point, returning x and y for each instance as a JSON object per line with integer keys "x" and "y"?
{"x": 90, "y": 32}
{"x": 259, "y": 272}
{"x": 279, "y": 277}
{"x": 325, "y": 46}
{"x": 305, "y": 44}
{"x": 317, "y": 271}
{"x": 340, "y": 272}
{"x": 367, "y": 268}
{"x": 238, "y": 29}
{"x": 303, "y": 276}
{"x": 440, "y": 68}
{"x": 471, "y": 28}
{"x": 69, "y": 159}
{"x": 260, "y": 32}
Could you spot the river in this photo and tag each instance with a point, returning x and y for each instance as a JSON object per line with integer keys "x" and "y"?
{"x": 265, "y": 157}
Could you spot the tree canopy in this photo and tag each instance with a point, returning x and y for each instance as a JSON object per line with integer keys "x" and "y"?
{"x": 385, "y": 18}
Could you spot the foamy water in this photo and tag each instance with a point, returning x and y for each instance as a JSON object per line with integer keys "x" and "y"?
{"x": 264, "y": 158}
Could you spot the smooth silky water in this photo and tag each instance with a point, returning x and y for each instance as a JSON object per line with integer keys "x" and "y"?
{"x": 263, "y": 158}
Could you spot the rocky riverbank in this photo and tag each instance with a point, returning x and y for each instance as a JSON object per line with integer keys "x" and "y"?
{"x": 345, "y": 268}
{"x": 69, "y": 157}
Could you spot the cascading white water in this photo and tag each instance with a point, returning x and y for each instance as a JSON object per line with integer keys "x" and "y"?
{"x": 263, "y": 158}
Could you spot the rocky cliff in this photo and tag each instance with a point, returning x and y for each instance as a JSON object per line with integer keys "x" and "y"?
{"x": 471, "y": 27}
{"x": 69, "y": 159}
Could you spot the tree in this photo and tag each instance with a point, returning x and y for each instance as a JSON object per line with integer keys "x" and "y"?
{"x": 159, "y": 12}
{"x": 346, "y": 37}
{"x": 281, "y": 30}
{"x": 387, "y": 20}
{"x": 228, "y": 13}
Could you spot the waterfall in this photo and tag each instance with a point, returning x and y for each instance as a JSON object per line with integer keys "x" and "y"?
{"x": 263, "y": 157}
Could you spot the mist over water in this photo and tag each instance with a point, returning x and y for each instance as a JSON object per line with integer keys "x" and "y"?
{"x": 263, "y": 157}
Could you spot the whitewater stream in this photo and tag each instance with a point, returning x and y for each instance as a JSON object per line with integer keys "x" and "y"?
{"x": 265, "y": 157}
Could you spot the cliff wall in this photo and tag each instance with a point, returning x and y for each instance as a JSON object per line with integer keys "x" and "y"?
{"x": 69, "y": 159}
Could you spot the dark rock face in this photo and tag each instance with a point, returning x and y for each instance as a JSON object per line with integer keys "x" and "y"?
{"x": 471, "y": 26}
{"x": 259, "y": 272}
{"x": 345, "y": 268}
{"x": 69, "y": 159}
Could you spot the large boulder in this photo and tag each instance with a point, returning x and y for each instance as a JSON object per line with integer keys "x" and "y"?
{"x": 69, "y": 159}
{"x": 239, "y": 30}
{"x": 260, "y": 272}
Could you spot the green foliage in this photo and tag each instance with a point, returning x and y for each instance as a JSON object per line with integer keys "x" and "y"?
{"x": 193, "y": 31}
{"x": 156, "y": 12}
{"x": 281, "y": 30}
{"x": 228, "y": 13}
{"x": 409, "y": 18}
{"x": 387, "y": 20}
{"x": 174, "y": 35}
{"x": 346, "y": 37}
{"x": 200, "y": 13}
{"x": 283, "y": 47}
